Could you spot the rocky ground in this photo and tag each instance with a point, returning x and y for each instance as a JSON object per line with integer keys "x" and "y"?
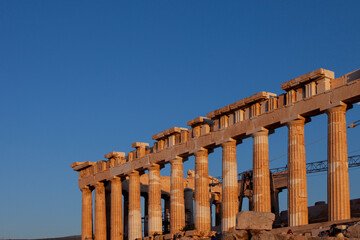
{"x": 258, "y": 226}
{"x": 60, "y": 238}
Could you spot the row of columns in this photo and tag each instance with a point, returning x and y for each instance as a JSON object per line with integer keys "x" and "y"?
{"x": 338, "y": 186}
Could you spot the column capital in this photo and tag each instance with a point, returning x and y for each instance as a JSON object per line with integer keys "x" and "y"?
{"x": 115, "y": 178}
{"x": 258, "y": 131}
{"x": 154, "y": 167}
{"x": 200, "y": 152}
{"x": 290, "y": 119}
{"x": 133, "y": 173}
{"x": 85, "y": 188}
{"x": 336, "y": 107}
{"x": 226, "y": 140}
{"x": 177, "y": 159}
{"x": 99, "y": 184}
{"x": 298, "y": 119}
{"x": 229, "y": 144}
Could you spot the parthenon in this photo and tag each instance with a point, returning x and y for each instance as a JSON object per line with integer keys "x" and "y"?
{"x": 306, "y": 96}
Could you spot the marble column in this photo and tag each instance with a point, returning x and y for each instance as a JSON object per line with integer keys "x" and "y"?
{"x": 116, "y": 210}
{"x": 297, "y": 188}
{"x": 155, "y": 221}
{"x": 202, "y": 199}
{"x": 261, "y": 172}
{"x": 100, "y": 212}
{"x": 86, "y": 215}
{"x": 338, "y": 175}
{"x": 134, "y": 219}
{"x": 177, "y": 207}
{"x": 229, "y": 186}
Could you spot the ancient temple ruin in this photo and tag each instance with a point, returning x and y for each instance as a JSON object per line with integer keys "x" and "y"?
{"x": 312, "y": 94}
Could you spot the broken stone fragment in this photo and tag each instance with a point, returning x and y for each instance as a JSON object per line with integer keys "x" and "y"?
{"x": 353, "y": 231}
{"x": 254, "y": 220}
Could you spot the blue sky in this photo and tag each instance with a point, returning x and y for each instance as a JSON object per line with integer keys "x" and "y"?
{"x": 83, "y": 78}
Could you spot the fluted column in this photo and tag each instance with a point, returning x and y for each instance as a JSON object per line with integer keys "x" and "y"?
{"x": 229, "y": 186}
{"x": 338, "y": 175}
{"x": 134, "y": 206}
{"x": 297, "y": 188}
{"x": 261, "y": 174}
{"x": 177, "y": 207}
{"x": 100, "y": 212}
{"x": 202, "y": 200}
{"x": 155, "y": 221}
{"x": 86, "y": 215}
{"x": 116, "y": 210}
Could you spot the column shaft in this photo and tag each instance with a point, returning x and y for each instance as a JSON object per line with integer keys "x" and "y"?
{"x": 297, "y": 188}
{"x": 86, "y": 215}
{"x": 134, "y": 206}
{"x": 155, "y": 221}
{"x": 229, "y": 186}
{"x": 338, "y": 175}
{"x": 116, "y": 209}
{"x": 100, "y": 212}
{"x": 202, "y": 200}
{"x": 261, "y": 174}
{"x": 177, "y": 207}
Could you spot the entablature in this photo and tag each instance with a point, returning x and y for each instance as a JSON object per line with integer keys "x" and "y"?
{"x": 181, "y": 142}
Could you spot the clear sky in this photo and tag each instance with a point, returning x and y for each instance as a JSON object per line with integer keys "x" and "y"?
{"x": 83, "y": 78}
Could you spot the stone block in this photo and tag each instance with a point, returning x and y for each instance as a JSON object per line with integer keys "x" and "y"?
{"x": 168, "y": 236}
{"x": 235, "y": 235}
{"x": 189, "y": 233}
{"x": 205, "y": 129}
{"x": 196, "y": 131}
{"x": 323, "y": 85}
{"x": 216, "y": 124}
{"x": 246, "y": 113}
{"x": 114, "y": 155}
{"x": 353, "y": 231}
{"x": 281, "y": 100}
{"x": 254, "y": 220}
{"x": 264, "y": 107}
{"x": 197, "y": 121}
{"x": 139, "y": 144}
{"x": 299, "y": 94}
{"x": 184, "y": 136}
{"x": 240, "y": 104}
{"x": 314, "y": 75}
{"x": 224, "y": 121}
{"x": 168, "y": 132}
{"x": 310, "y": 89}
{"x": 290, "y": 97}
{"x": 77, "y": 166}
{"x": 239, "y": 116}
{"x": 254, "y": 110}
